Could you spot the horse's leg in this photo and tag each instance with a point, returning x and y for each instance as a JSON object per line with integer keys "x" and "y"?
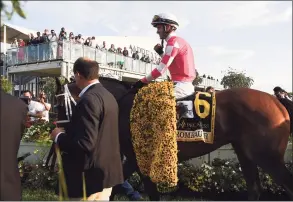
{"x": 275, "y": 166}
{"x": 129, "y": 167}
{"x": 150, "y": 188}
{"x": 250, "y": 173}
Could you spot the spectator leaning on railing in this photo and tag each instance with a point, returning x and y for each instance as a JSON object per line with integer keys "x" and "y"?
{"x": 135, "y": 55}
{"x": 21, "y": 52}
{"x": 125, "y": 52}
{"x": 31, "y": 48}
{"x": 14, "y": 46}
{"x": 53, "y": 44}
{"x": 50, "y": 45}
{"x": 87, "y": 41}
{"x": 71, "y": 37}
{"x": 103, "y": 47}
{"x": 112, "y": 49}
{"x": 45, "y": 41}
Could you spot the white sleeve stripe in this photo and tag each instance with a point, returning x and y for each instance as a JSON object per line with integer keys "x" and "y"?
{"x": 168, "y": 50}
{"x": 161, "y": 66}
{"x": 149, "y": 77}
{"x": 163, "y": 70}
{"x": 176, "y": 45}
{"x": 170, "y": 61}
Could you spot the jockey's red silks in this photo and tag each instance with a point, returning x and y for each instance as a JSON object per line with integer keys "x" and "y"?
{"x": 178, "y": 58}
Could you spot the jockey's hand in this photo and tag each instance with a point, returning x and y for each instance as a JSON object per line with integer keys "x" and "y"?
{"x": 137, "y": 85}
{"x": 159, "y": 49}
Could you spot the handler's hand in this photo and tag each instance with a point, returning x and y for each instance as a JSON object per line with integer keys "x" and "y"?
{"x": 55, "y": 132}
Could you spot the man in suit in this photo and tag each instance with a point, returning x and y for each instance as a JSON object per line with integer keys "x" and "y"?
{"x": 13, "y": 120}
{"x": 283, "y": 97}
{"x": 91, "y": 143}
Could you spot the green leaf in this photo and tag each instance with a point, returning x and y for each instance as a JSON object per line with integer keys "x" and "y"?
{"x": 16, "y": 7}
{"x": 6, "y": 85}
{"x": 236, "y": 79}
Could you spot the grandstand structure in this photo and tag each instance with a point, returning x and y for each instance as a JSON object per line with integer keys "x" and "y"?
{"x": 25, "y": 69}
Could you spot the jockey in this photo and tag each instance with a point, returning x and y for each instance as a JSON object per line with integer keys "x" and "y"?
{"x": 178, "y": 57}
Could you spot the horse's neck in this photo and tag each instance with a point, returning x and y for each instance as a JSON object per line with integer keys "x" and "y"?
{"x": 117, "y": 89}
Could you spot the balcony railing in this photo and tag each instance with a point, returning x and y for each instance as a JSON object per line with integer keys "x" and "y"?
{"x": 209, "y": 82}
{"x": 67, "y": 51}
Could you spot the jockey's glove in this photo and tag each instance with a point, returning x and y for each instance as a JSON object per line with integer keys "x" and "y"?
{"x": 159, "y": 49}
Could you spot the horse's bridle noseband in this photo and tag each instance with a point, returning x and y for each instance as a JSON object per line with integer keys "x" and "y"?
{"x": 67, "y": 99}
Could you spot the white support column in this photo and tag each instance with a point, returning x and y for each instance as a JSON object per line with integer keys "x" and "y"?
{"x": 5, "y": 39}
{"x": 4, "y": 50}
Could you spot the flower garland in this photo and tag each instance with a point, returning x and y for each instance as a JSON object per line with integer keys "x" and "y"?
{"x": 153, "y": 128}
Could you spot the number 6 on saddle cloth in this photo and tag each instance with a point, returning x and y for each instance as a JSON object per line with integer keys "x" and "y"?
{"x": 195, "y": 116}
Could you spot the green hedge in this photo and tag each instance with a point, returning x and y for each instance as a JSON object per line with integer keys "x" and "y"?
{"x": 39, "y": 132}
{"x": 221, "y": 176}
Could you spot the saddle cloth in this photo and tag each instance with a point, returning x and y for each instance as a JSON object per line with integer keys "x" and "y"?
{"x": 195, "y": 116}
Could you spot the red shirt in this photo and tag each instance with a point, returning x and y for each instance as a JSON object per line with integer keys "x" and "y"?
{"x": 178, "y": 58}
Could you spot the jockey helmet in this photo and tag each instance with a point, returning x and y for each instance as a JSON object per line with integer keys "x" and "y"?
{"x": 165, "y": 18}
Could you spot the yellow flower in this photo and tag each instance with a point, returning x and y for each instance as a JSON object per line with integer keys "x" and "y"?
{"x": 153, "y": 128}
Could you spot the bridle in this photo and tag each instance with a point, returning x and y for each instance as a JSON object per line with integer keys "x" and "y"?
{"x": 67, "y": 100}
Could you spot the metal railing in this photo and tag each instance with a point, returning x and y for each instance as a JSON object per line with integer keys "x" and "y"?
{"x": 70, "y": 52}
{"x": 33, "y": 53}
{"x": 209, "y": 82}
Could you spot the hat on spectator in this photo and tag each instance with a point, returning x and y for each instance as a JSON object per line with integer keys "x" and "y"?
{"x": 278, "y": 89}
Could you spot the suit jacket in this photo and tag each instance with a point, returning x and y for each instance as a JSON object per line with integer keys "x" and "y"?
{"x": 91, "y": 144}
{"x": 288, "y": 104}
{"x": 13, "y": 117}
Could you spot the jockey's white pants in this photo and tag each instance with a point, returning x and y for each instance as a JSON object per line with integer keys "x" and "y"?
{"x": 183, "y": 89}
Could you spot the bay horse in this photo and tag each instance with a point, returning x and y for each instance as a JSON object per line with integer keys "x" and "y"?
{"x": 255, "y": 123}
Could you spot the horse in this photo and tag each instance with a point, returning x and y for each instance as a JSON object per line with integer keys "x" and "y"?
{"x": 255, "y": 123}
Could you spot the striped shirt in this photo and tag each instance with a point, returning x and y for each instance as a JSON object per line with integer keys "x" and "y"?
{"x": 178, "y": 58}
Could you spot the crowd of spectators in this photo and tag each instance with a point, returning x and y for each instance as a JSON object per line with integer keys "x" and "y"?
{"x": 51, "y": 47}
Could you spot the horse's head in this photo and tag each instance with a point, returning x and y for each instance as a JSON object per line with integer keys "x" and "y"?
{"x": 66, "y": 98}
{"x": 67, "y": 95}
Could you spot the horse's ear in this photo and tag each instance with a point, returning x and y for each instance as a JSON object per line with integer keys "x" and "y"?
{"x": 67, "y": 81}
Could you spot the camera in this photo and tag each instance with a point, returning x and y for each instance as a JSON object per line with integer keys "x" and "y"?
{"x": 25, "y": 99}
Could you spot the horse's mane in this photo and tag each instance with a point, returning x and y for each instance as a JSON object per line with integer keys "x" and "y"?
{"x": 124, "y": 83}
